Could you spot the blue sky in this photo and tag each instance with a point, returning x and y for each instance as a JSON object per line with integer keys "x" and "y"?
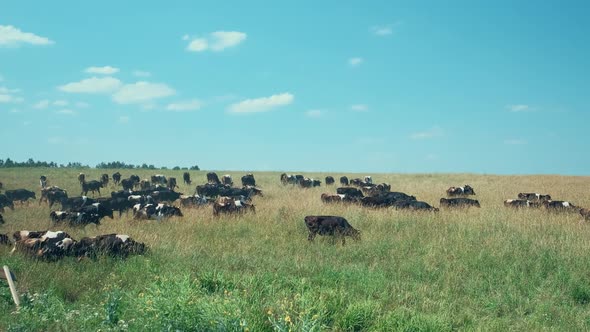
{"x": 373, "y": 86}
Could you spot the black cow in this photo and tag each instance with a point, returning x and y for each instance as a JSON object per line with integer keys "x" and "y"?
{"x": 560, "y": 206}
{"x": 43, "y": 181}
{"x": 159, "y": 178}
{"x": 414, "y": 205}
{"x": 172, "y": 183}
{"x": 19, "y": 195}
{"x": 534, "y": 197}
{"x": 460, "y": 191}
{"x": 114, "y": 245}
{"x": 330, "y": 225}
{"x": 521, "y": 203}
{"x": 121, "y": 194}
{"x": 81, "y": 178}
{"x": 248, "y": 180}
{"x": 128, "y": 184}
{"x": 308, "y": 183}
{"x": 52, "y": 195}
{"x": 104, "y": 179}
{"x": 120, "y": 205}
{"x": 459, "y": 202}
{"x": 92, "y": 186}
{"x": 212, "y": 178}
{"x": 344, "y": 181}
{"x": 329, "y": 180}
{"x": 186, "y": 177}
{"x": 116, "y": 178}
{"x": 5, "y": 202}
{"x": 76, "y": 202}
{"x": 100, "y": 209}
{"x": 153, "y": 211}
{"x": 226, "y": 204}
{"x": 165, "y": 196}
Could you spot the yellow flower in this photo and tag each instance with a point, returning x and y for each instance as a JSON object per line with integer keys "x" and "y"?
{"x": 288, "y": 319}
{"x": 269, "y": 312}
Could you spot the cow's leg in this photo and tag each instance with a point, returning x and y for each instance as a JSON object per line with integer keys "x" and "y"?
{"x": 311, "y": 236}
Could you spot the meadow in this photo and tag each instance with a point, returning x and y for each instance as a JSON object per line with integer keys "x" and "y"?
{"x": 488, "y": 269}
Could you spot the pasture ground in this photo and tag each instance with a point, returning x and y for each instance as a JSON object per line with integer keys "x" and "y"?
{"x": 492, "y": 268}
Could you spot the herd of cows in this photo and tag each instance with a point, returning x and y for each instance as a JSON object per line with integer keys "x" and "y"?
{"x": 154, "y": 198}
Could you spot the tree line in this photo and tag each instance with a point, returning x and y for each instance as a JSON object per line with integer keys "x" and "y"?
{"x": 9, "y": 163}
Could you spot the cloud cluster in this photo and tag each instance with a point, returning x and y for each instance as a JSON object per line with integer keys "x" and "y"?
{"x": 13, "y": 37}
{"x": 94, "y": 84}
{"x": 106, "y": 70}
{"x": 263, "y": 104}
{"x": 216, "y": 41}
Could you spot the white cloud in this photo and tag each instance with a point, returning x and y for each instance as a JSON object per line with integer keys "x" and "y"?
{"x": 123, "y": 119}
{"x": 198, "y": 45}
{"x": 106, "y": 70}
{"x": 60, "y": 103}
{"x": 360, "y": 108}
{"x": 216, "y": 41}
{"x": 383, "y": 30}
{"x": 142, "y": 92}
{"x": 355, "y": 61}
{"x": 66, "y": 112}
{"x": 185, "y": 37}
{"x": 188, "y": 105}
{"x": 13, "y": 37}
{"x": 141, "y": 73}
{"x": 41, "y": 104}
{"x": 263, "y": 104}
{"x": 314, "y": 113}
{"x": 6, "y": 98}
{"x": 92, "y": 85}
{"x": 515, "y": 142}
{"x": 436, "y": 131}
{"x": 519, "y": 108}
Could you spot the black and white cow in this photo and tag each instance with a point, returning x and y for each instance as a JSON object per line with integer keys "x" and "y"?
{"x": 52, "y": 195}
{"x": 534, "y": 197}
{"x": 521, "y": 203}
{"x": 155, "y": 211}
{"x": 226, "y": 204}
{"x": 43, "y": 181}
{"x": 560, "y": 206}
{"x": 194, "y": 200}
{"x": 227, "y": 180}
{"x": 159, "y": 178}
{"x": 46, "y": 245}
{"x": 114, "y": 245}
{"x": 288, "y": 179}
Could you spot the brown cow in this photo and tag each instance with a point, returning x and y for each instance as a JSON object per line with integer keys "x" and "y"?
{"x": 226, "y": 204}
{"x": 585, "y": 213}
{"x": 330, "y": 225}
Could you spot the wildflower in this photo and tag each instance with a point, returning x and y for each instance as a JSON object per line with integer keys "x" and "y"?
{"x": 288, "y": 319}
{"x": 269, "y": 312}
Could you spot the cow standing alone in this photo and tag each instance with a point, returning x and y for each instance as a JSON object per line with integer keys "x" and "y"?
{"x": 330, "y": 225}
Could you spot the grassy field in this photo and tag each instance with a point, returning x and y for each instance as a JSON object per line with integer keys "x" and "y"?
{"x": 491, "y": 269}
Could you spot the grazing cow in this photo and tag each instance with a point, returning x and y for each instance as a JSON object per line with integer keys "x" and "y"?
{"x": 172, "y": 183}
{"x": 330, "y": 225}
{"x": 144, "y": 184}
{"x": 114, "y": 245}
{"x": 4, "y": 239}
{"x": 560, "y": 206}
{"x": 1, "y": 220}
{"x": 344, "y": 181}
{"x": 76, "y": 202}
{"x": 329, "y": 180}
{"x": 459, "y": 202}
{"x": 414, "y": 205}
{"x": 226, "y": 204}
{"x": 368, "y": 179}
{"x": 534, "y": 197}
{"x": 357, "y": 182}
{"x": 104, "y": 179}
{"x": 135, "y": 179}
{"x": 5, "y": 202}
{"x": 92, "y": 186}
{"x": 349, "y": 191}
{"x": 585, "y": 213}
{"x": 194, "y": 200}
{"x": 43, "y": 181}
{"x": 100, "y": 209}
{"x": 121, "y": 194}
{"x": 75, "y": 218}
{"x": 308, "y": 183}
{"x": 252, "y": 191}
{"x": 59, "y": 216}
{"x": 227, "y": 180}
{"x": 248, "y": 180}
{"x": 20, "y": 195}
{"x": 128, "y": 184}
{"x": 159, "y": 178}
{"x": 45, "y": 245}
{"x": 331, "y": 198}
{"x": 165, "y": 196}
{"x": 52, "y": 194}
{"x": 116, "y": 178}
{"x": 186, "y": 177}
{"x": 212, "y": 178}
{"x": 212, "y": 190}
{"x": 288, "y": 179}
{"x": 375, "y": 190}
{"x": 153, "y": 211}
{"x": 120, "y": 204}
{"x": 521, "y": 203}
{"x": 81, "y": 178}
{"x": 386, "y": 199}
{"x": 460, "y": 191}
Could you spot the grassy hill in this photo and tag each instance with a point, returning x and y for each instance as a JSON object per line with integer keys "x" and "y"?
{"x": 492, "y": 268}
